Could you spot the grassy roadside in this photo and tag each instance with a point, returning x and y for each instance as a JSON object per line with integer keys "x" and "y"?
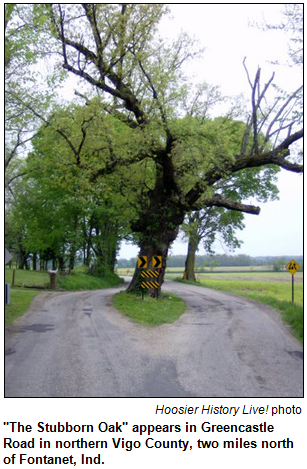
{"x": 256, "y": 289}
{"x": 21, "y": 297}
{"x": 81, "y": 280}
{"x": 274, "y": 294}
{"x": 19, "y": 304}
{"x": 29, "y": 278}
{"x": 150, "y": 311}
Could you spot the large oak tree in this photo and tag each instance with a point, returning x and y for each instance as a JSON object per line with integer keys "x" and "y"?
{"x": 116, "y": 50}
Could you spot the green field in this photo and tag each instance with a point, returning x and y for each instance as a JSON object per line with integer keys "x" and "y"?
{"x": 257, "y": 289}
{"x": 29, "y": 278}
{"x": 259, "y": 270}
{"x": 280, "y": 277}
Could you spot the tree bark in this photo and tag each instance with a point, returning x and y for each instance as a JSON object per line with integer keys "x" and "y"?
{"x": 153, "y": 246}
{"x": 190, "y": 259}
{"x": 158, "y": 226}
{"x": 72, "y": 258}
{"x": 34, "y": 261}
{"x": 61, "y": 263}
{"x": 150, "y": 252}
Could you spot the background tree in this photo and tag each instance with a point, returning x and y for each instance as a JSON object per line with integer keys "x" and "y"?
{"x": 210, "y": 224}
{"x": 25, "y": 43}
{"x": 65, "y": 208}
{"x": 293, "y": 24}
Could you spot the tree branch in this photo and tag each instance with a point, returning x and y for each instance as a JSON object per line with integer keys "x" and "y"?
{"x": 218, "y": 201}
{"x": 276, "y": 156}
{"x": 121, "y": 90}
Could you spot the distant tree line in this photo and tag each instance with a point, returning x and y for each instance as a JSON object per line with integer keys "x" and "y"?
{"x": 222, "y": 260}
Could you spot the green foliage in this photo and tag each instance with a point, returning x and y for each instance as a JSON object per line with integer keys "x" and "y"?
{"x": 279, "y": 264}
{"x": 63, "y": 202}
{"x": 26, "y": 95}
{"x": 212, "y": 263}
{"x": 213, "y": 224}
{"x": 140, "y": 154}
{"x": 85, "y": 281}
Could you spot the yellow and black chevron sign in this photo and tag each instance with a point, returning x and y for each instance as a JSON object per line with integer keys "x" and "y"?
{"x": 157, "y": 262}
{"x": 149, "y": 273}
{"x": 142, "y": 262}
{"x": 150, "y": 284}
{"x": 185, "y": 276}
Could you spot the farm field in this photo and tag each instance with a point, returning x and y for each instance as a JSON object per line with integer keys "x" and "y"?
{"x": 252, "y": 276}
{"x": 254, "y": 284}
{"x": 257, "y": 289}
{"x": 258, "y": 268}
{"x": 264, "y": 273}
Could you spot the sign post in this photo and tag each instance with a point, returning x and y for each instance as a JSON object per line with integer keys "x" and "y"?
{"x": 7, "y": 258}
{"x": 293, "y": 267}
{"x": 7, "y": 294}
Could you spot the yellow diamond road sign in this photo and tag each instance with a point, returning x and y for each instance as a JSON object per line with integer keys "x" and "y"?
{"x": 293, "y": 267}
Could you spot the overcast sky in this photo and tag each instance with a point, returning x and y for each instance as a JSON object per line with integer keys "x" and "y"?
{"x": 225, "y": 32}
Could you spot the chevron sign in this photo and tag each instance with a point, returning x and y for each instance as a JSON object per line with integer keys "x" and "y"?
{"x": 142, "y": 262}
{"x": 149, "y": 273}
{"x": 157, "y": 262}
{"x": 150, "y": 284}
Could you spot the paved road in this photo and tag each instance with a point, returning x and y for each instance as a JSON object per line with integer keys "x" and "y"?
{"x": 77, "y": 345}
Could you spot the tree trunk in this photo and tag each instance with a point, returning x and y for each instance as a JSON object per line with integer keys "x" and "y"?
{"x": 190, "y": 259}
{"x": 61, "y": 263}
{"x": 73, "y": 243}
{"x": 23, "y": 260}
{"x": 152, "y": 249}
{"x": 158, "y": 226}
{"x": 72, "y": 259}
{"x": 34, "y": 261}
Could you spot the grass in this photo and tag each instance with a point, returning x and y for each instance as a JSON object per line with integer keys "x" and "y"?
{"x": 150, "y": 311}
{"x": 81, "y": 280}
{"x": 274, "y": 294}
{"x": 21, "y": 298}
{"x": 256, "y": 289}
{"x": 207, "y": 270}
{"x": 19, "y": 303}
{"x": 278, "y": 276}
{"x": 29, "y": 278}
